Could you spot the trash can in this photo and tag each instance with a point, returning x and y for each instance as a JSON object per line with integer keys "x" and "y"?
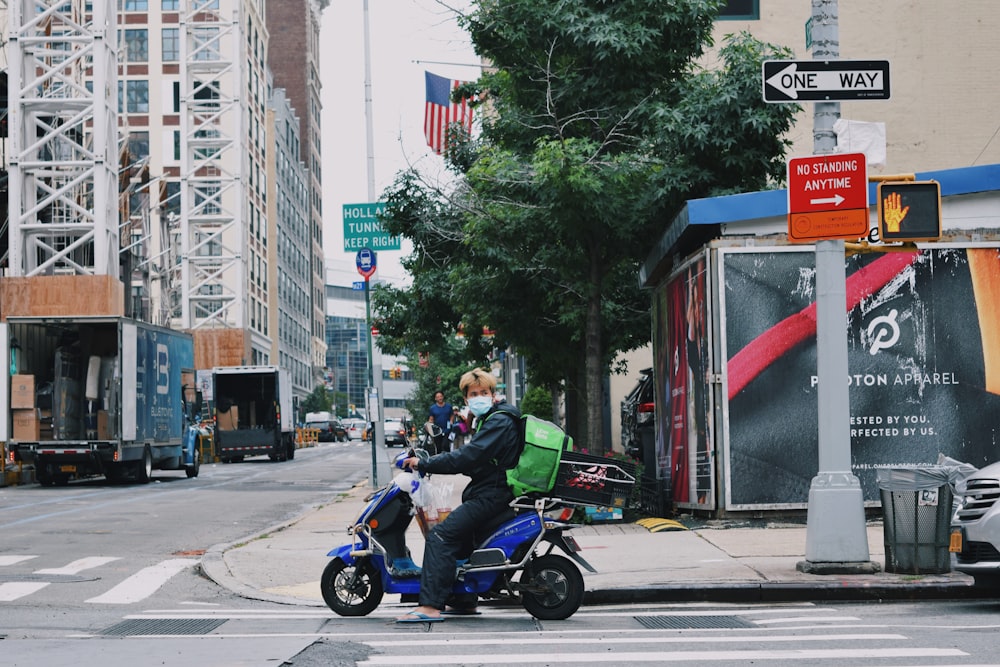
{"x": 916, "y": 509}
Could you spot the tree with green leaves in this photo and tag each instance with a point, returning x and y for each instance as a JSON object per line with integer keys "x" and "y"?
{"x": 320, "y": 400}
{"x": 600, "y": 123}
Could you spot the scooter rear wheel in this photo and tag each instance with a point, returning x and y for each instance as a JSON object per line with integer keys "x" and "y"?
{"x": 351, "y": 590}
{"x": 551, "y": 588}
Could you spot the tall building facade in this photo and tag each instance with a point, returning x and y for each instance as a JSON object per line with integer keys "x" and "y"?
{"x": 192, "y": 94}
{"x": 289, "y": 269}
{"x": 294, "y": 58}
{"x": 217, "y": 188}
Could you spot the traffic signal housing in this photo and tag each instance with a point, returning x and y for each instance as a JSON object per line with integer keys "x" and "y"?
{"x": 909, "y": 210}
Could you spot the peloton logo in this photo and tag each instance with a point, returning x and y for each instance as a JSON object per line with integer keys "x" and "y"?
{"x": 162, "y": 369}
{"x": 883, "y": 332}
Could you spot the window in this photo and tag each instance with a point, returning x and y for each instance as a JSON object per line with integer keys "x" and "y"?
{"x": 204, "y": 148}
{"x": 171, "y": 45}
{"x": 169, "y": 5}
{"x": 138, "y": 145}
{"x": 171, "y": 201}
{"x": 207, "y": 199}
{"x": 137, "y": 96}
{"x": 207, "y": 245}
{"x": 205, "y": 44}
{"x": 137, "y": 45}
{"x": 204, "y": 93}
{"x": 740, "y": 10}
{"x": 136, "y": 5}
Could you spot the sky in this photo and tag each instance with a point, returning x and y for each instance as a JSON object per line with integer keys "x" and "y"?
{"x": 407, "y": 37}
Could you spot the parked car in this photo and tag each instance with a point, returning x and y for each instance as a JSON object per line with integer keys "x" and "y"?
{"x": 356, "y": 429}
{"x": 638, "y": 421}
{"x": 329, "y": 431}
{"x": 395, "y": 433}
{"x": 975, "y": 537}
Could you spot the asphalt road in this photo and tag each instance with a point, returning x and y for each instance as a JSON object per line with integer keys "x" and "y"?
{"x": 96, "y": 574}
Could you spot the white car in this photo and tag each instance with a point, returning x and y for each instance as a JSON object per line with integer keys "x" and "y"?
{"x": 355, "y": 429}
{"x": 975, "y": 529}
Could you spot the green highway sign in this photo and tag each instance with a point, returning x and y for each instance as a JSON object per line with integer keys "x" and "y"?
{"x": 362, "y": 228}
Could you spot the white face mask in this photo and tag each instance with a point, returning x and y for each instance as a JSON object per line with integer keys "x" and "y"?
{"x": 480, "y": 405}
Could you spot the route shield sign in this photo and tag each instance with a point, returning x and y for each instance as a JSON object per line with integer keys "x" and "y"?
{"x": 366, "y": 262}
{"x": 825, "y": 80}
{"x": 827, "y": 197}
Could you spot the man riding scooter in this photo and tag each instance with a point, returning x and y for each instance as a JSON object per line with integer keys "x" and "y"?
{"x": 485, "y": 458}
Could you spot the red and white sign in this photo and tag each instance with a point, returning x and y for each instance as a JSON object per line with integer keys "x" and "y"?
{"x": 827, "y": 197}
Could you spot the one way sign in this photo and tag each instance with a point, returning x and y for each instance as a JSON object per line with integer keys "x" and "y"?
{"x": 825, "y": 80}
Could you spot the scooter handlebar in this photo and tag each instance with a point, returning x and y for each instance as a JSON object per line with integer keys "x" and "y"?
{"x": 398, "y": 461}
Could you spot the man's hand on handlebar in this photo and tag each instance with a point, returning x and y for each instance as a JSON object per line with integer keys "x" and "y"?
{"x": 406, "y": 461}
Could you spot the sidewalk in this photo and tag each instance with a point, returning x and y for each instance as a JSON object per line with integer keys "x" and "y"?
{"x": 721, "y": 561}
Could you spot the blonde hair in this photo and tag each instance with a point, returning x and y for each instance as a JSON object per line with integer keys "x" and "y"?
{"x": 480, "y": 377}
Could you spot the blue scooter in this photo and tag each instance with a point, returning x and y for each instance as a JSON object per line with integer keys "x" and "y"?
{"x": 515, "y": 561}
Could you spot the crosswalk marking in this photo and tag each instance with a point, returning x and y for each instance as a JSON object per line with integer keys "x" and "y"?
{"x": 13, "y": 590}
{"x": 14, "y": 559}
{"x": 137, "y": 587}
{"x": 632, "y": 639}
{"x": 145, "y": 582}
{"x": 743, "y": 656}
{"x": 78, "y": 566}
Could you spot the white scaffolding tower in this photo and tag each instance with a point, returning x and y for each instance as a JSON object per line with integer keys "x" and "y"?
{"x": 63, "y": 137}
{"x": 213, "y": 241}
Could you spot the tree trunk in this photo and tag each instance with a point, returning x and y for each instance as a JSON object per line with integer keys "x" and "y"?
{"x": 593, "y": 355}
{"x": 576, "y": 423}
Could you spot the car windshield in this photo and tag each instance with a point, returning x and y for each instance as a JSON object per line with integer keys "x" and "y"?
{"x": 318, "y": 425}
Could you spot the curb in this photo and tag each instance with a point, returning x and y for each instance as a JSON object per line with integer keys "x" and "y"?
{"x": 214, "y": 567}
{"x": 787, "y": 592}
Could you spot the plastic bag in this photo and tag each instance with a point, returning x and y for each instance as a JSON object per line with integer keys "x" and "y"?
{"x": 414, "y": 485}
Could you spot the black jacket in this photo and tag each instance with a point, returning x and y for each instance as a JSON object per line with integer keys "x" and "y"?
{"x": 486, "y": 457}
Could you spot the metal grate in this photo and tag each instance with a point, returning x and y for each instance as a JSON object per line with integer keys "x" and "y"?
{"x": 692, "y": 622}
{"x": 164, "y": 626}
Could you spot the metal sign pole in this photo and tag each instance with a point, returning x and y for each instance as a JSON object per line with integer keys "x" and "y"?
{"x": 374, "y": 413}
{"x": 836, "y": 537}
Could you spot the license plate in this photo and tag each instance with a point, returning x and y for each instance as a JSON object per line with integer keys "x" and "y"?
{"x": 571, "y": 543}
{"x": 955, "y": 543}
{"x": 67, "y": 468}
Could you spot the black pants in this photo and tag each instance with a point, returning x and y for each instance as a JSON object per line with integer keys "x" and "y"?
{"x": 453, "y": 539}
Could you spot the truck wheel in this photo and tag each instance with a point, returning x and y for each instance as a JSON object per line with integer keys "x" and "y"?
{"x": 193, "y": 469}
{"x": 144, "y": 468}
{"x": 291, "y": 449}
{"x": 115, "y": 473}
{"x": 42, "y": 475}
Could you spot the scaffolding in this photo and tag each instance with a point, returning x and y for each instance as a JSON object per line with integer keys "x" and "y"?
{"x": 213, "y": 241}
{"x": 63, "y": 138}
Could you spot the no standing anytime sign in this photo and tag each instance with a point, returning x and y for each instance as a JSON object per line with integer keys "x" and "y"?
{"x": 827, "y": 197}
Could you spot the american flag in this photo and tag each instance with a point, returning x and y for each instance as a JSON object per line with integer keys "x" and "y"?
{"x": 439, "y": 112}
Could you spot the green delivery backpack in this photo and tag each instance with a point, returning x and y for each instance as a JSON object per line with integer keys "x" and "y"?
{"x": 542, "y": 445}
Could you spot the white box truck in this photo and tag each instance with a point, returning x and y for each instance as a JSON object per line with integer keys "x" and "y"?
{"x": 254, "y": 415}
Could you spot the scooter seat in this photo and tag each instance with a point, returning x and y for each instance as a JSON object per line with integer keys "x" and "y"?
{"x": 484, "y": 531}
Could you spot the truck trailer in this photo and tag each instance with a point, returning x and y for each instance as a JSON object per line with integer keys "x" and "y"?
{"x": 254, "y": 415}
{"x": 98, "y": 395}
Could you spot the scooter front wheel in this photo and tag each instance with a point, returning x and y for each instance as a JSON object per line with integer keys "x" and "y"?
{"x": 351, "y": 590}
{"x": 551, "y": 588}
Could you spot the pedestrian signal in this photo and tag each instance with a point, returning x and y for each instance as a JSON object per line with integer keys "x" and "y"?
{"x": 909, "y": 210}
